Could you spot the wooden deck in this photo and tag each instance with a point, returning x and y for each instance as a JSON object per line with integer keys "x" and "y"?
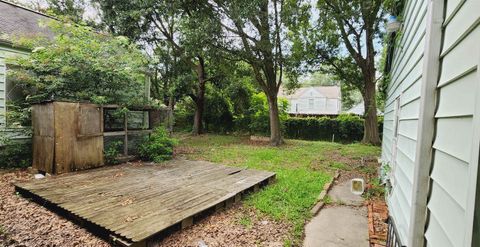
{"x": 135, "y": 202}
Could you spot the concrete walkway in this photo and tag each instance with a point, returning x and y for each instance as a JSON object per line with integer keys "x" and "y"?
{"x": 343, "y": 224}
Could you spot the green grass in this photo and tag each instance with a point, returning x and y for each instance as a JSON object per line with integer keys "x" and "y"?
{"x": 302, "y": 168}
{"x": 245, "y": 220}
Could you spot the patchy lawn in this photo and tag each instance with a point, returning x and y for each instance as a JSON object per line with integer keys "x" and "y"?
{"x": 275, "y": 216}
{"x": 302, "y": 167}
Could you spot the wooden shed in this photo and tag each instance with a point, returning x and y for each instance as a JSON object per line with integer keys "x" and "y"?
{"x": 67, "y": 136}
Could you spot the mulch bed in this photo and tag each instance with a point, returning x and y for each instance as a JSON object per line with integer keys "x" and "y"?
{"x": 224, "y": 229}
{"x": 25, "y": 223}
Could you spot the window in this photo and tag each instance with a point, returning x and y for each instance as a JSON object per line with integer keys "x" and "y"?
{"x": 311, "y": 103}
{"x": 14, "y": 94}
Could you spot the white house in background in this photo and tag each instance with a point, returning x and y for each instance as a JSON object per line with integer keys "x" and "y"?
{"x": 315, "y": 101}
{"x": 359, "y": 109}
{"x": 431, "y": 136}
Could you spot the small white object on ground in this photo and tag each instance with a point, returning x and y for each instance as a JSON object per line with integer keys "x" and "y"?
{"x": 201, "y": 243}
{"x": 357, "y": 186}
{"x": 39, "y": 176}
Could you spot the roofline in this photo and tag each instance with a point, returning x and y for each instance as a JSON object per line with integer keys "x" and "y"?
{"x": 28, "y": 9}
{"x": 12, "y": 45}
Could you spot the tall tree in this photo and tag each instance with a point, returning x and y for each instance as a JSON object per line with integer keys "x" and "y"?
{"x": 256, "y": 32}
{"x": 73, "y": 9}
{"x": 178, "y": 23}
{"x": 344, "y": 39}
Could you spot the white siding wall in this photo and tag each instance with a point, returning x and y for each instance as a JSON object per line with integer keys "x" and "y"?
{"x": 321, "y": 105}
{"x": 5, "y": 52}
{"x": 447, "y": 202}
{"x": 405, "y": 83}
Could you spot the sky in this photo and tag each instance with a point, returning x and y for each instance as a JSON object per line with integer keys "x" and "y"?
{"x": 91, "y": 13}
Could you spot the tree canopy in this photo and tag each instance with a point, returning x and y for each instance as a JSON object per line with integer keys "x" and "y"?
{"x": 341, "y": 40}
{"x": 79, "y": 64}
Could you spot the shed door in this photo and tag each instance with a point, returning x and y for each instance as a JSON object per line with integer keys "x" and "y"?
{"x": 89, "y": 133}
{"x": 43, "y": 137}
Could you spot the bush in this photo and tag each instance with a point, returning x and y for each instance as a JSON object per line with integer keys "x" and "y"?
{"x": 111, "y": 152}
{"x": 350, "y": 127}
{"x": 15, "y": 153}
{"x": 344, "y": 128}
{"x": 157, "y": 147}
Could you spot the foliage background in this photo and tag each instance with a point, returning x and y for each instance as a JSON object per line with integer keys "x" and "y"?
{"x": 77, "y": 64}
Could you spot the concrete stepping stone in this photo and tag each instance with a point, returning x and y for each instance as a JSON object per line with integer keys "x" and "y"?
{"x": 342, "y": 194}
{"x": 338, "y": 226}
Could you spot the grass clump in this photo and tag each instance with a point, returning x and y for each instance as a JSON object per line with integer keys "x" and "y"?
{"x": 245, "y": 220}
{"x": 302, "y": 169}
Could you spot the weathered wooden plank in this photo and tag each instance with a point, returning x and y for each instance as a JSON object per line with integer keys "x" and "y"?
{"x": 43, "y": 137}
{"x": 139, "y": 201}
{"x": 65, "y": 135}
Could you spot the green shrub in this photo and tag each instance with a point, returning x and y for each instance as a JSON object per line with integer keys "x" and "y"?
{"x": 350, "y": 127}
{"x": 15, "y": 153}
{"x": 344, "y": 128}
{"x": 157, "y": 147}
{"x": 111, "y": 152}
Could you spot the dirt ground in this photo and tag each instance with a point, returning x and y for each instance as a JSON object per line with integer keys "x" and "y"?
{"x": 226, "y": 229}
{"x": 25, "y": 223}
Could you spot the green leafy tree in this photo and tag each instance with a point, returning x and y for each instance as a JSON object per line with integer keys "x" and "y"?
{"x": 79, "y": 64}
{"x": 73, "y": 9}
{"x": 181, "y": 25}
{"x": 256, "y": 32}
{"x": 343, "y": 42}
{"x": 171, "y": 79}
{"x": 320, "y": 79}
{"x": 259, "y": 110}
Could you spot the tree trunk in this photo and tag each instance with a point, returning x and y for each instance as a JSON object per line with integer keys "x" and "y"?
{"x": 275, "y": 130}
{"x": 370, "y": 133}
{"x": 170, "y": 119}
{"x": 199, "y": 99}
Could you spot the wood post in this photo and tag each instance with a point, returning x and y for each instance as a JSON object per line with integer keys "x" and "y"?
{"x": 238, "y": 197}
{"x": 219, "y": 207}
{"x": 125, "y": 138}
{"x": 187, "y": 222}
{"x": 229, "y": 202}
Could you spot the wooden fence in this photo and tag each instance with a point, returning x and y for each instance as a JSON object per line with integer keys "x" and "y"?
{"x": 70, "y": 136}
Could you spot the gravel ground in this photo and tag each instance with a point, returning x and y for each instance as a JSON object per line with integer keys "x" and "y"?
{"x": 25, "y": 223}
